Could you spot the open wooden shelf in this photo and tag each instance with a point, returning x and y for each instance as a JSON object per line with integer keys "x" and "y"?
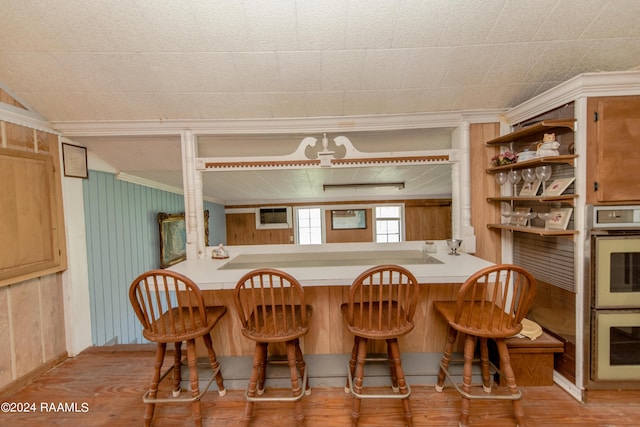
{"x": 564, "y": 158}
{"x": 542, "y": 126}
{"x": 534, "y": 230}
{"x": 565, "y": 198}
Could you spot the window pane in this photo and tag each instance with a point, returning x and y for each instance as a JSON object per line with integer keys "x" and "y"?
{"x": 309, "y": 226}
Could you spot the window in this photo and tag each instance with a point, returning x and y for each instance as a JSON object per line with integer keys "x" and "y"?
{"x": 388, "y": 223}
{"x": 309, "y": 226}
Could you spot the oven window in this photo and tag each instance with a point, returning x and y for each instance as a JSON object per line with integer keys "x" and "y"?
{"x": 624, "y": 345}
{"x": 625, "y": 272}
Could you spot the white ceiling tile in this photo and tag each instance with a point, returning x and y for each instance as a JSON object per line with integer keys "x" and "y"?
{"x": 384, "y": 69}
{"x": 300, "y": 71}
{"x": 400, "y": 101}
{"x": 420, "y": 23}
{"x": 519, "y": 21}
{"x": 441, "y": 99}
{"x": 370, "y": 25}
{"x": 620, "y": 18}
{"x": 513, "y": 63}
{"x": 559, "y": 58}
{"x": 363, "y": 102}
{"x": 470, "y": 64}
{"x": 321, "y": 24}
{"x": 257, "y": 72}
{"x": 470, "y": 22}
{"x": 602, "y": 54}
{"x": 342, "y": 70}
{"x": 271, "y": 25}
{"x": 557, "y": 27}
{"x": 427, "y": 67}
{"x": 325, "y": 104}
{"x": 289, "y": 104}
{"x": 253, "y": 105}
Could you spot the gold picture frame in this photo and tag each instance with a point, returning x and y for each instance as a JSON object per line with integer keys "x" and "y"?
{"x": 173, "y": 237}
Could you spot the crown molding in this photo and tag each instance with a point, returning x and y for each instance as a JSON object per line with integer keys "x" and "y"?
{"x": 622, "y": 83}
{"x": 273, "y": 126}
{"x": 27, "y": 118}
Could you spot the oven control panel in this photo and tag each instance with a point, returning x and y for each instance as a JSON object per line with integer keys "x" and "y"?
{"x": 616, "y": 217}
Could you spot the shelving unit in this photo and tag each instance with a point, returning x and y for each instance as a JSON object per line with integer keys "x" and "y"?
{"x": 526, "y": 136}
{"x": 534, "y": 130}
{"x": 533, "y": 230}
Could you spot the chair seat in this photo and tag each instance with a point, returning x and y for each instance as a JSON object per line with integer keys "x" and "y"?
{"x": 369, "y": 316}
{"x": 268, "y": 326}
{"x": 480, "y": 326}
{"x": 214, "y": 313}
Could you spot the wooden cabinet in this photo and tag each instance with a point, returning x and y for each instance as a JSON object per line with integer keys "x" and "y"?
{"x": 528, "y": 137}
{"x": 613, "y": 139}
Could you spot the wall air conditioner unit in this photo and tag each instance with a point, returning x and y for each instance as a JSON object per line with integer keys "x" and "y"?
{"x": 273, "y": 217}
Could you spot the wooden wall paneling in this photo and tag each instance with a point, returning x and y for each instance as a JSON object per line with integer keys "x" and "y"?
{"x": 52, "y": 316}
{"x": 19, "y": 137}
{"x": 8, "y": 99}
{"x": 25, "y": 322}
{"x": 350, "y": 235}
{"x": 488, "y": 242}
{"x": 428, "y": 221}
{"x": 5, "y": 338}
{"x": 241, "y": 230}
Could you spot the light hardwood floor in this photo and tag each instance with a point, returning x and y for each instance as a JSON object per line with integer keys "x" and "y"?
{"x": 110, "y": 381}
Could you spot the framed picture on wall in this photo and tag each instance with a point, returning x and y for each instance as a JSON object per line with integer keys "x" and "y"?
{"x": 74, "y": 159}
{"x": 173, "y": 237}
{"x": 348, "y": 219}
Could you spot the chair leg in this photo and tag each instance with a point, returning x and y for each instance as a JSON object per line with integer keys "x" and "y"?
{"x": 177, "y": 368}
{"x": 394, "y": 351}
{"x": 484, "y": 363}
{"x": 153, "y": 389}
{"x": 263, "y": 369}
{"x": 467, "y": 372}
{"x": 296, "y": 390}
{"x": 507, "y": 370}
{"x": 358, "y": 380}
{"x": 392, "y": 368}
{"x": 446, "y": 358}
{"x": 214, "y": 364}
{"x": 196, "y": 407}
{"x": 302, "y": 366}
{"x": 253, "y": 381}
{"x": 352, "y": 362}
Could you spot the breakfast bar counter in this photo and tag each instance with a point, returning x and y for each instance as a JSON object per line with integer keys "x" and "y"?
{"x": 326, "y": 272}
{"x": 330, "y": 264}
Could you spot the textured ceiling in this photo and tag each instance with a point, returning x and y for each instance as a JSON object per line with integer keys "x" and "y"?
{"x": 129, "y": 60}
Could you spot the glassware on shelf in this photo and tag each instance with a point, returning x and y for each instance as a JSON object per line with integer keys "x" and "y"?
{"x": 507, "y": 214}
{"x": 528, "y": 217}
{"x": 543, "y": 173}
{"x": 501, "y": 177}
{"x": 544, "y": 216}
{"x": 514, "y": 177}
{"x": 529, "y": 175}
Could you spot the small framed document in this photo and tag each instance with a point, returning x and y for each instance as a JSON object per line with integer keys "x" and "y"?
{"x": 74, "y": 159}
{"x": 559, "y": 218}
{"x": 558, "y": 186}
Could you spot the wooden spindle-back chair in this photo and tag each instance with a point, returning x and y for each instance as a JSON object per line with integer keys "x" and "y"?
{"x": 272, "y": 309}
{"x": 171, "y": 309}
{"x": 382, "y": 302}
{"x": 490, "y": 305}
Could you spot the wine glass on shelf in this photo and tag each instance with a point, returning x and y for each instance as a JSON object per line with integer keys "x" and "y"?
{"x": 544, "y": 216}
{"x": 514, "y": 177}
{"x": 529, "y": 175}
{"x": 543, "y": 173}
{"x": 501, "y": 177}
{"x": 507, "y": 213}
{"x": 528, "y": 217}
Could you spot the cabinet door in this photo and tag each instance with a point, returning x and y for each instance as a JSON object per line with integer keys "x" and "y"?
{"x": 614, "y": 137}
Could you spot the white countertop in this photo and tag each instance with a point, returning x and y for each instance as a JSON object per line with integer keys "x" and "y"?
{"x": 207, "y": 274}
